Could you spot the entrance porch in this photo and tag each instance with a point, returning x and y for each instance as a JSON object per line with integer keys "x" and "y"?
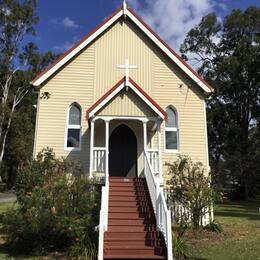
{"x": 119, "y": 146}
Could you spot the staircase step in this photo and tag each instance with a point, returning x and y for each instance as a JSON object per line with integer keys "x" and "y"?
{"x": 136, "y": 243}
{"x": 133, "y": 203}
{"x": 129, "y": 209}
{"x": 133, "y": 235}
{"x": 128, "y": 257}
{"x": 135, "y": 250}
{"x": 136, "y": 228}
{"x": 130, "y": 222}
{"x": 130, "y": 215}
{"x": 129, "y": 193}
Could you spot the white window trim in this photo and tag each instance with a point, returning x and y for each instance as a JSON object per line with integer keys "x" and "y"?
{"x": 172, "y": 129}
{"x": 67, "y": 127}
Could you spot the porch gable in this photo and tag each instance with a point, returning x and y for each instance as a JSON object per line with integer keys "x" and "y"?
{"x": 133, "y": 100}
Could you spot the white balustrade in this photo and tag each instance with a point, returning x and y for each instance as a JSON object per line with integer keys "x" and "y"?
{"x": 153, "y": 157}
{"x": 162, "y": 214}
{"x": 99, "y": 157}
{"x": 103, "y": 218}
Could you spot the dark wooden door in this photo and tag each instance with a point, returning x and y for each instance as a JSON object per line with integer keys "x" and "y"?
{"x": 123, "y": 152}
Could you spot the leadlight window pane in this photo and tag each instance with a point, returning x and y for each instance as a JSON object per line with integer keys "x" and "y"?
{"x": 74, "y": 116}
{"x": 171, "y": 140}
{"x": 73, "y": 138}
{"x": 171, "y": 121}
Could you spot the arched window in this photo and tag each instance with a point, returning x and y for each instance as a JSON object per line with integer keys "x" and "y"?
{"x": 74, "y": 127}
{"x": 171, "y": 130}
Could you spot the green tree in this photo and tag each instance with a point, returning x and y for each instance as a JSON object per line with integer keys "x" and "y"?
{"x": 16, "y": 21}
{"x": 227, "y": 54}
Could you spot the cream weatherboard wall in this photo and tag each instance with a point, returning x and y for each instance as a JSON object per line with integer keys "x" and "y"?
{"x": 94, "y": 71}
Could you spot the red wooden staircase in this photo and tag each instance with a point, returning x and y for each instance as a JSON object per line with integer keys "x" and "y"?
{"x": 131, "y": 222}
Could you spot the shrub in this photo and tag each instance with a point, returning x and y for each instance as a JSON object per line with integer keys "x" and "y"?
{"x": 214, "y": 226}
{"x": 190, "y": 187}
{"x": 180, "y": 248}
{"x": 57, "y": 207}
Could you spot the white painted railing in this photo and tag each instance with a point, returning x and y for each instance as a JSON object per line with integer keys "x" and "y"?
{"x": 162, "y": 214}
{"x": 99, "y": 158}
{"x": 103, "y": 218}
{"x": 153, "y": 157}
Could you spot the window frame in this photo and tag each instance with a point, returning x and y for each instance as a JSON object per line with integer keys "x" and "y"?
{"x": 68, "y": 126}
{"x": 172, "y": 129}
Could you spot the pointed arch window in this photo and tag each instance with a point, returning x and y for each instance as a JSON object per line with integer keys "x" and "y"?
{"x": 171, "y": 130}
{"x": 73, "y": 138}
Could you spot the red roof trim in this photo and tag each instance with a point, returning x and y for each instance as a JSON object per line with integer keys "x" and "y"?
{"x": 169, "y": 48}
{"x": 119, "y": 84}
{"x": 75, "y": 46}
{"x": 149, "y": 98}
{"x": 104, "y": 97}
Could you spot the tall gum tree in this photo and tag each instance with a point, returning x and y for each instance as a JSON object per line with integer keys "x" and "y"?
{"x": 227, "y": 54}
{"x": 17, "y": 19}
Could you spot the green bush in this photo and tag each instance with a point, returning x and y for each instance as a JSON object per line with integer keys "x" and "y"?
{"x": 214, "y": 226}
{"x": 57, "y": 207}
{"x": 180, "y": 248}
{"x": 190, "y": 187}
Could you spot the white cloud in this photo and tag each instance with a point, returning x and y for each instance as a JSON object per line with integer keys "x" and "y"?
{"x": 69, "y": 23}
{"x": 172, "y": 19}
{"x": 66, "y": 22}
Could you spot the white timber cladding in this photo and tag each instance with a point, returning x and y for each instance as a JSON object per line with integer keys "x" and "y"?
{"x": 91, "y": 73}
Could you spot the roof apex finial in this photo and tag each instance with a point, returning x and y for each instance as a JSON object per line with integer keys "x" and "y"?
{"x": 124, "y": 7}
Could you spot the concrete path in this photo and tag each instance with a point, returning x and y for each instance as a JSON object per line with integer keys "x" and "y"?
{"x": 7, "y": 196}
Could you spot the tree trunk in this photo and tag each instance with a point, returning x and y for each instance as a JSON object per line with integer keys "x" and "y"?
{"x": 5, "y": 133}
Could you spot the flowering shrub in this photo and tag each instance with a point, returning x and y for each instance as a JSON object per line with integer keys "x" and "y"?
{"x": 57, "y": 208}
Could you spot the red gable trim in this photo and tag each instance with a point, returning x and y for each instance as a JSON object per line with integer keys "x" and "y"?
{"x": 149, "y": 98}
{"x": 75, "y": 46}
{"x": 104, "y": 97}
{"x": 169, "y": 48}
{"x": 137, "y": 87}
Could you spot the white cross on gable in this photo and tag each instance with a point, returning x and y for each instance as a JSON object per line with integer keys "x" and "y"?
{"x": 126, "y": 67}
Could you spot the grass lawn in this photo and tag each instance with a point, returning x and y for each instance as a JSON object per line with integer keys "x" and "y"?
{"x": 241, "y": 236}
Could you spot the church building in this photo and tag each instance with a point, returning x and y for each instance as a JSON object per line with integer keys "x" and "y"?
{"x": 125, "y": 103}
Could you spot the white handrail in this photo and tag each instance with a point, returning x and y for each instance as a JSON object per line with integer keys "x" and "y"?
{"x": 162, "y": 214}
{"x": 103, "y": 218}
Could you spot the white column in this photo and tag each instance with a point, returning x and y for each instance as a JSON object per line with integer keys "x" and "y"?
{"x": 145, "y": 141}
{"x": 92, "y": 131}
{"x": 159, "y": 150}
{"x": 107, "y": 148}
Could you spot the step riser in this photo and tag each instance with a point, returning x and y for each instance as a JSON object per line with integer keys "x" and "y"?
{"x": 130, "y": 209}
{"x": 130, "y": 204}
{"x": 131, "y": 215}
{"x": 130, "y": 222}
{"x": 130, "y": 228}
{"x": 129, "y": 243}
{"x": 118, "y": 251}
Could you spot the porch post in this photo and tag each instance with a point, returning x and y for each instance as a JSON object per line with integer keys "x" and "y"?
{"x": 159, "y": 150}
{"x": 107, "y": 148}
{"x": 145, "y": 141}
{"x": 92, "y": 130}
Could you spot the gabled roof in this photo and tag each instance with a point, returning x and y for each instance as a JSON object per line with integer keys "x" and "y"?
{"x": 100, "y": 103}
{"x": 127, "y": 12}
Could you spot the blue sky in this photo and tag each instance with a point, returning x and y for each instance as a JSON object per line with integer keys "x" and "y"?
{"x": 64, "y": 22}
